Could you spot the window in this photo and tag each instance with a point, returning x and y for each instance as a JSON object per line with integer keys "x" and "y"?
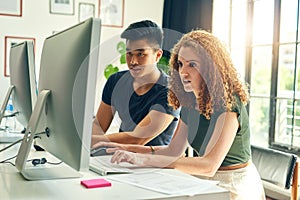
{"x": 263, "y": 39}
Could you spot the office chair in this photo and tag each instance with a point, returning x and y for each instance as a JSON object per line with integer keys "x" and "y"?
{"x": 278, "y": 171}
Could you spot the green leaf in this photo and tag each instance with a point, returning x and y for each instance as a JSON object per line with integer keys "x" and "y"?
{"x": 164, "y": 61}
{"x": 123, "y": 59}
{"x": 121, "y": 47}
{"x": 163, "y": 64}
{"x": 109, "y": 70}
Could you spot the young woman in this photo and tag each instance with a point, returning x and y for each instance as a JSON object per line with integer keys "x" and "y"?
{"x": 214, "y": 120}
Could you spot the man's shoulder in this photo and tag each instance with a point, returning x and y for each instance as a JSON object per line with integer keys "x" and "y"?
{"x": 164, "y": 75}
{"x": 114, "y": 78}
{"x": 164, "y": 79}
{"x": 118, "y": 75}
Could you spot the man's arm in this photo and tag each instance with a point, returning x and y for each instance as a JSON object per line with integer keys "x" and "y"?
{"x": 152, "y": 125}
{"x": 103, "y": 119}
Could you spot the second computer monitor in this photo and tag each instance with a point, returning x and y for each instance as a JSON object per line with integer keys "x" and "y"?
{"x": 23, "y": 78}
{"x": 23, "y": 87}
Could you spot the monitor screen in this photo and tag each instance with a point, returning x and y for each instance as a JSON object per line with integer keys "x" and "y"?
{"x": 63, "y": 115}
{"x": 23, "y": 88}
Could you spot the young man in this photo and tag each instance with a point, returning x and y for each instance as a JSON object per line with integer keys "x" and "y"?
{"x": 139, "y": 94}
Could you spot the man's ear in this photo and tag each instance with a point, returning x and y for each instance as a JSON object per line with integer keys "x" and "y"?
{"x": 159, "y": 54}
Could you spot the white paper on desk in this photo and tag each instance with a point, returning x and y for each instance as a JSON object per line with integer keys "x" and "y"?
{"x": 167, "y": 183}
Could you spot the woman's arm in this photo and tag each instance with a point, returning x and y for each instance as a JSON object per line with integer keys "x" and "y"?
{"x": 176, "y": 147}
{"x": 178, "y": 143}
{"x": 218, "y": 147}
{"x": 113, "y": 147}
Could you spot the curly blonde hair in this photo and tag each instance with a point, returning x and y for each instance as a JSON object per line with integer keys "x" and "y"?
{"x": 220, "y": 83}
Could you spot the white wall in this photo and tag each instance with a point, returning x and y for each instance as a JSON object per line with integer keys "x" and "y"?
{"x": 37, "y": 22}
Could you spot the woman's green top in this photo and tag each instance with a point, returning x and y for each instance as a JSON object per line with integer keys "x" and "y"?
{"x": 200, "y": 131}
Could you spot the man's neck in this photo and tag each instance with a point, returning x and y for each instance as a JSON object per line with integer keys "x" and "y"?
{"x": 144, "y": 84}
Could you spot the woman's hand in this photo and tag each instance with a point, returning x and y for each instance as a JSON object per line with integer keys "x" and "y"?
{"x": 126, "y": 156}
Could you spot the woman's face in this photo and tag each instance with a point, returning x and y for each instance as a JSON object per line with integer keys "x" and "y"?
{"x": 189, "y": 65}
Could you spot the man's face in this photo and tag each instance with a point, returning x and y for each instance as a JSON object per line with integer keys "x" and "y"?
{"x": 141, "y": 58}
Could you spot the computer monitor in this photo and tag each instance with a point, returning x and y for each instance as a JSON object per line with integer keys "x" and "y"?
{"x": 23, "y": 88}
{"x": 61, "y": 122}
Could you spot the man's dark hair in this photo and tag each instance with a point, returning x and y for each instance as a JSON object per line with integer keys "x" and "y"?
{"x": 145, "y": 29}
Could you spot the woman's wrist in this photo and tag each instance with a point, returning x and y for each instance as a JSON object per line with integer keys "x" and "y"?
{"x": 152, "y": 149}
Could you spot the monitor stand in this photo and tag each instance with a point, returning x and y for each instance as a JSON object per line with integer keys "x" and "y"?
{"x": 4, "y": 104}
{"x": 48, "y": 172}
{"x": 7, "y": 136}
{"x": 40, "y": 172}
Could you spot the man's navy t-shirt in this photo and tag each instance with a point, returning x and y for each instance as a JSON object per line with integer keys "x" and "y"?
{"x": 132, "y": 108}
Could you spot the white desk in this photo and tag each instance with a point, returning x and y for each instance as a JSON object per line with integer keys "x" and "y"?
{"x": 14, "y": 186}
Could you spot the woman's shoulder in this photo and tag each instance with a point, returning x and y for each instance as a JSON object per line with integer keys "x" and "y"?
{"x": 238, "y": 106}
{"x": 237, "y": 101}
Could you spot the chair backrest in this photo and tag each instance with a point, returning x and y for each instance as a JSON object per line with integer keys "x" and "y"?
{"x": 274, "y": 166}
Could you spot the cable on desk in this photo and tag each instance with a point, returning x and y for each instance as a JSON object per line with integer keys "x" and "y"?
{"x": 7, "y": 160}
{"x": 20, "y": 140}
{"x": 12, "y": 114}
{"x": 12, "y": 144}
{"x": 34, "y": 161}
{"x": 42, "y": 161}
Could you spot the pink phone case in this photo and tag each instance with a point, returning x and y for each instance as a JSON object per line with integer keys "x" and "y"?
{"x": 94, "y": 183}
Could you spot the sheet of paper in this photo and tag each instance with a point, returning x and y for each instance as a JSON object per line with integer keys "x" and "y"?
{"x": 160, "y": 181}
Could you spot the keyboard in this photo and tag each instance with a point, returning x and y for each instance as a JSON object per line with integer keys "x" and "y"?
{"x": 9, "y": 137}
{"x": 102, "y": 166}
